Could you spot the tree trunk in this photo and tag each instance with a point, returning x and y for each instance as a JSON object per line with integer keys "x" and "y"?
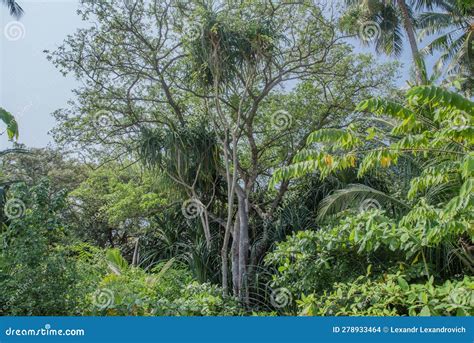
{"x": 243, "y": 205}
{"x": 225, "y": 262}
{"x": 205, "y": 225}
{"x": 409, "y": 29}
{"x": 135, "y": 254}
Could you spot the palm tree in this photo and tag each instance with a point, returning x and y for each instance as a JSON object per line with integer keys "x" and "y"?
{"x": 455, "y": 21}
{"x": 13, "y": 7}
{"x": 390, "y": 18}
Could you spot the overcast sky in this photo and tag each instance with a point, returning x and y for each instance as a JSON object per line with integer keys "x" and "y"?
{"x": 30, "y": 87}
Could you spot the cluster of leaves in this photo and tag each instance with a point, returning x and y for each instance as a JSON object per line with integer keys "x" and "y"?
{"x": 112, "y": 204}
{"x": 432, "y": 228}
{"x": 9, "y": 120}
{"x": 224, "y": 47}
{"x": 200, "y": 300}
{"x": 37, "y": 272}
{"x": 45, "y": 271}
{"x": 392, "y": 295}
{"x": 312, "y": 261}
{"x": 434, "y": 128}
{"x": 333, "y": 254}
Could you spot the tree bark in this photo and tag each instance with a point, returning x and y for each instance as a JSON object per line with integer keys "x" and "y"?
{"x": 235, "y": 256}
{"x": 135, "y": 254}
{"x": 205, "y": 225}
{"x": 409, "y": 29}
{"x": 225, "y": 262}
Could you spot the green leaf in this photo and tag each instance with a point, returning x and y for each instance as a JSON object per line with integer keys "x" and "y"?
{"x": 9, "y": 120}
{"x": 403, "y": 284}
{"x": 115, "y": 261}
{"x": 425, "y": 311}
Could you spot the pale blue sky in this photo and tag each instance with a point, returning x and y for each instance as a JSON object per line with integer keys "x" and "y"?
{"x": 30, "y": 87}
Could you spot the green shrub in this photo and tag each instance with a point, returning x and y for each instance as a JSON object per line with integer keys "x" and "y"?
{"x": 131, "y": 291}
{"x": 312, "y": 261}
{"x": 168, "y": 290}
{"x": 199, "y": 300}
{"x": 37, "y": 273}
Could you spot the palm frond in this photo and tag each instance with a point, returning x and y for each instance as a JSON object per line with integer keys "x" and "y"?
{"x": 432, "y": 94}
{"x": 427, "y": 4}
{"x": 452, "y": 22}
{"x": 115, "y": 261}
{"x": 14, "y": 8}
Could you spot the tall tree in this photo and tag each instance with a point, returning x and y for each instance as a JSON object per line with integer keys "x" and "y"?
{"x": 453, "y": 20}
